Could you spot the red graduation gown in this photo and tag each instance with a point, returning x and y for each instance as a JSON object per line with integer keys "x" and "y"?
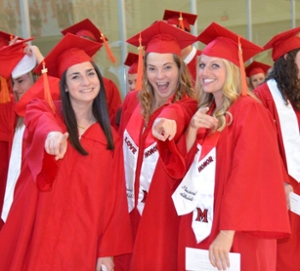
{"x": 113, "y": 99}
{"x": 192, "y": 66}
{"x": 65, "y": 213}
{"x": 7, "y": 129}
{"x": 249, "y": 194}
{"x": 156, "y": 231}
{"x": 288, "y": 248}
{"x": 8, "y": 117}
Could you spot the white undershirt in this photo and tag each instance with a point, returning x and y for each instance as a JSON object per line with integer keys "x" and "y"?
{"x": 13, "y": 171}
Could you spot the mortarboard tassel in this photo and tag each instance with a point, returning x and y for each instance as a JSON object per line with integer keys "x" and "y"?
{"x": 181, "y": 25}
{"x": 242, "y": 68}
{"x": 140, "y": 69}
{"x": 4, "y": 92}
{"x": 108, "y": 50}
{"x": 47, "y": 93}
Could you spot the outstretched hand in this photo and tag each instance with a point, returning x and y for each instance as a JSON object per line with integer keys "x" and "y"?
{"x": 56, "y": 144}
{"x": 164, "y": 129}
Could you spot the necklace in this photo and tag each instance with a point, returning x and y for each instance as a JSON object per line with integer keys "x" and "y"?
{"x": 82, "y": 127}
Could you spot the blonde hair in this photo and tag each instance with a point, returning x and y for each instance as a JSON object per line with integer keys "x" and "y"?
{"x": 232, "y": 90}
{"x": 184, "y": 87}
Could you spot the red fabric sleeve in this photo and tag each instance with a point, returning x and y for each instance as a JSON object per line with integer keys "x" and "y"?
{"x": 39, "y": 121}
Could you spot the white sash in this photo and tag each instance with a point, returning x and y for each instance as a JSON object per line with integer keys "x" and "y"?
{"x": 130, "y": 151}
{"x": 196, "y": 193}
{"x": 150, "y": 158}
{"x": 289, "y": 130}
{"x": 13, "y": 171}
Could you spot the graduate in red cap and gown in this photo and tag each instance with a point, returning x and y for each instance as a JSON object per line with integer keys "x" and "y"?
{"x": 256, "y": 73}
{"x": 231, "y": 198}
{"x": 280, "y": 94}
{"x": 17, "y": 68}
{"x": 69, "y": 210}
{"x": 184, "y": 21}
{"x": 132, "y": 62}
{"x": 166, "y": 91}
{"x": 86, "y": 29}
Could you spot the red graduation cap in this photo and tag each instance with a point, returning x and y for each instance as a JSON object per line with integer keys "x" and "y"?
{"x": 86, "y": 29}
{"x": 180, "y": 18}
{"x": 5, "y": 38}
{"x": 257, "y": 67}
{"x": 10, "y": 56}
{"x": 284, "y": 42}
{"x": 132, "y": 62}
{"x": 70, "y": 50}
{"x": 37, "y": 91}
{"x": 223, "y": 43}
{"x": 161, "y": 38}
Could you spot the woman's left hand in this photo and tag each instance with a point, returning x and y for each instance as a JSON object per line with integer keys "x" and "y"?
{"x": 164, "y": 129}
{"x": 107, "y": 262}
{"x": 219, "y": 249}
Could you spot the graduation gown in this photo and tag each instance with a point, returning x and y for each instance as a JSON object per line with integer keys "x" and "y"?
{"x": 288, "y": 248}
{"x": 192, "y": 64}
{"x": 9, "y": 113}
{"x": 249, "y": 194}
{"x": 155, "y": 231}
{"x": 113, "y": 99}
{"x": 69, "y": 212}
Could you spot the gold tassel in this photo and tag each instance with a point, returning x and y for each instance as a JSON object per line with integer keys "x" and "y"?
{"x": 242, "y": 69}
{"x": 4, "y": 92}
{"x": 47, "y": 93}
{"x": 140, "y": 70}
{"x": 108, "y": 50}
{"x": 181, "y": 24}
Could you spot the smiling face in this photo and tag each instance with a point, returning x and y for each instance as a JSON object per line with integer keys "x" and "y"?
{"x": 83, "y": 83}
{"x": 22, "y": 84}
{"x": 212, "y": 75}
{"x": 163, "y": 75}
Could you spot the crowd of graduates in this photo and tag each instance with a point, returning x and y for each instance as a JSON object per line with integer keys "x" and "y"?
{"x": 203, "y": 152}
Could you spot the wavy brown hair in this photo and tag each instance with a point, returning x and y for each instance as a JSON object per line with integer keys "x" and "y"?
{"x": 285, "y": 72}
{"x": 184, "y": 87}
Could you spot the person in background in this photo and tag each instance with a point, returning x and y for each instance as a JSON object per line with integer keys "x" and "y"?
{"x": 232, "y": 192}
{"x": 132, "y": 62}
{"x": 19, "y": 67}
{"x": 69, "y": 211}
{"x": 166, "y": 91}
{"x": 256, "y": 73}
{"x": 280, "y": 95}
{"x": 86, "y": 29}
{"x": 184, "y": 21}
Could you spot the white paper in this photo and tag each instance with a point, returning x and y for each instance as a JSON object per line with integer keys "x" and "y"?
{"x": 198, "y": 260}
{"x": 103, "y": 267}
{"x": 295, "y": 203}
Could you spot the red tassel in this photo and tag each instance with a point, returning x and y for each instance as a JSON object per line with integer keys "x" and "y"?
{"x": 242, "y": 69}
{"x": 4, "y": 92}
{"x": 108, "y": 50}
{"x": 47, "y": 93}
{"x": 181, "y": 24}
{"x": 140, "y": 70}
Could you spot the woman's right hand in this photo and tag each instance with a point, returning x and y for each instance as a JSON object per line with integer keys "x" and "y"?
{"x": 56, "y": 144}
{"x": 202, "y": 120}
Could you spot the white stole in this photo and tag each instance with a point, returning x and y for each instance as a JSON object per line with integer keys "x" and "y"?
{"x": 289, "y": 130}
{"x": 196, "y": 191}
